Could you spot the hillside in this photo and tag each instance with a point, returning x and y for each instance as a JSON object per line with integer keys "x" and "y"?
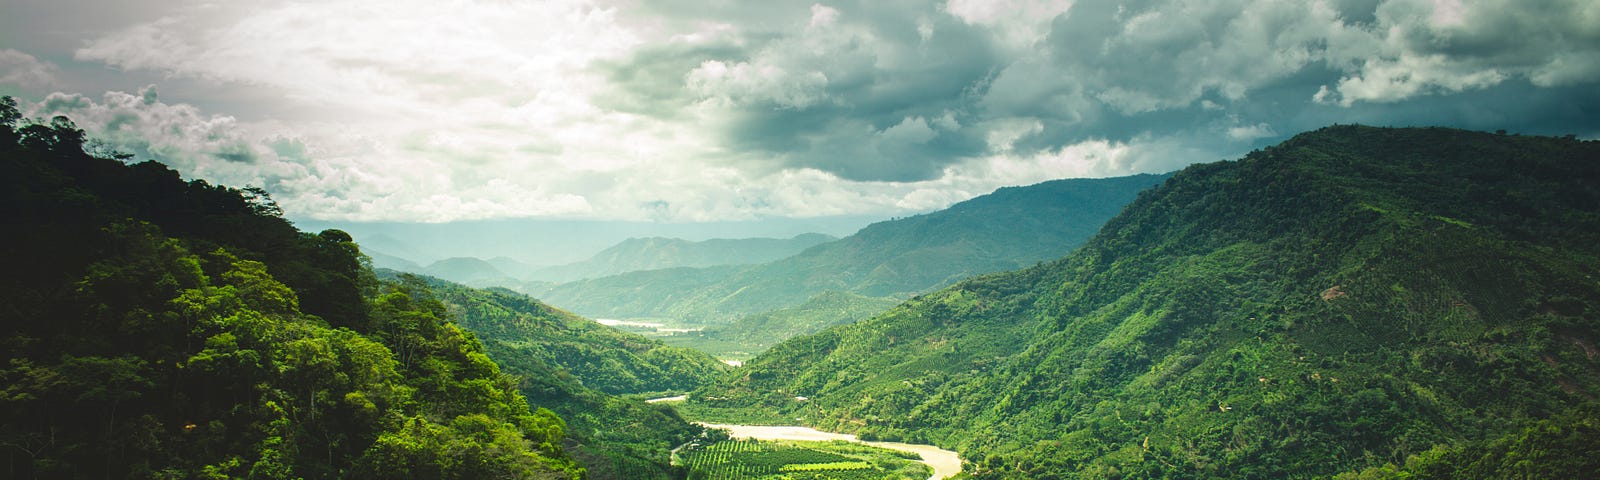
{"x": 575, "y": 367}
{"x": 1007, "y": 229}
{"x": 826, "y": 309}
{"x": 600, "y": 357}
{"x": 1353, "y": 298}
{"x": 157, "y": 328}
{"x": 656, "y": 253}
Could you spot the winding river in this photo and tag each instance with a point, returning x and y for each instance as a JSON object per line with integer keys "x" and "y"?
{"x": 945, "y": 463}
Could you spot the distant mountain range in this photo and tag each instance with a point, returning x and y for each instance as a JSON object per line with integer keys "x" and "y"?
{"x": 1007, "y": 229}
{"x": 634, "y": 254}
{"x": 1357, "y": 301}
{"x": 657, "y": 253}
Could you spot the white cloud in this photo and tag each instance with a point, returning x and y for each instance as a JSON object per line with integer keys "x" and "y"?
{"x": 1245, "y": 133}
{"x": 24, "y": 71}
{"x": 743, "y": 82}
{"x": 413, "y": 110}
{"x": 823, "y": 15}
{"x": 1437, "y": 47}
{"x": 1019, "y": 23}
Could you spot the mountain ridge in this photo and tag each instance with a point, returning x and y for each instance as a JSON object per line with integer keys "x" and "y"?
{"x": 1007, "y": 229}
{"x": 1353, "y": 289}
{"x": 657, "y": 253}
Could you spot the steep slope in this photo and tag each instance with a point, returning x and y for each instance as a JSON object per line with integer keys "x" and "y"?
{"x": 156, "y": 328}
{"x": 1352, "y": 297}
{"x": 634, "y": 294}
{"x": 574, "y": 366}
{"x": 824, "y": 310}
{"x": 656, "y": 253}
{"x": 600, "y": 357}
{"x": 1007, "y": 229}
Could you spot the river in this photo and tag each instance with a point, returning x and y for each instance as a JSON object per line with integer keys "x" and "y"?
{"x": 945, "y": 463}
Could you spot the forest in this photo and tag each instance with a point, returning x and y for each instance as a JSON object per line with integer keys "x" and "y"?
{"x": 161, "y": 328}
{"x": 1358, "y": 301}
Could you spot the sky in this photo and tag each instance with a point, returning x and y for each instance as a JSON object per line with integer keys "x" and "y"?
{"x": 412, "y": 111}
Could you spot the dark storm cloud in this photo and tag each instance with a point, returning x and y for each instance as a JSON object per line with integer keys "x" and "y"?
{"x": 898, "y": 91}
{"x": 869, "y": 91}
{"x": 636, "y": 83}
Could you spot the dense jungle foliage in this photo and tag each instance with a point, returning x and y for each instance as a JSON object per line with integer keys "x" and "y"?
{"x": 157, "y": 328}
{"x": 574, "y": 366}
{"x": 599, "y": 357}
{"x": 1369, "y": 301}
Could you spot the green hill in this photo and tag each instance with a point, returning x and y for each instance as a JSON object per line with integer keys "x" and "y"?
{"x": 600, "y": 357}
{"x": 157, "y": 328}
{"x": 1007, "y": 229}
{"x": 634, "y": 294}
{"x": 824, "y": 310}
{"x": 576, "y": 367}
{"x": 1352, "y": 298}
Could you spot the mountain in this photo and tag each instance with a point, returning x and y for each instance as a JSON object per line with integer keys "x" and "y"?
{"x": 384, "y": 260}
{"x": 574, "y": 367}
{"x": 600, "y": 357}
{"x": 465, "y": 270}
{"x": 1354, "y": 301}
{"x": 157, "y": 328}
{"x": 656, "y": 253}
{"x": 511, "y": 267}
{"x": 1007, "y": 229}
{"x": 826, "y": 309}
{"x": 394, "y": 248}
{"x": 634, "y": 294}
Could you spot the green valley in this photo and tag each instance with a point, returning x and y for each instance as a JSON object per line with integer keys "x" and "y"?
{"x": 842, "y": 239}
{"x": 746, "y": 309}
{"x": 581, "y": 370}
{"x": 1356, "y": 302}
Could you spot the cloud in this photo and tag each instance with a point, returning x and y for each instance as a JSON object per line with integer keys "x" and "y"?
{"x": 23, "y": 71}
{"x": 689, "y": 110}
{"x": 1251, "y": 132}
{"x": 1444, "y": 47}
{"x": 744, "y": 84}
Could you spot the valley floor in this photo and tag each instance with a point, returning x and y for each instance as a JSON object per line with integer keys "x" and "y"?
{"x": 945, "y": 463}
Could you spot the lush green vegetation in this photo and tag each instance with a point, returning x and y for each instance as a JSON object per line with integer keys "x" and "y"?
{"x": 156, "y": 328}
{"x": 824, "y": 310}
{"x": 1010, "y": 228}
{"x": 789, "y": 460}
{"x": 633, "y": 294}
{"x": 600, "y": 357}
{"x": 1351, "y": 298}
{"x": 574, "y": 366}
{"x": 754, "y": 333}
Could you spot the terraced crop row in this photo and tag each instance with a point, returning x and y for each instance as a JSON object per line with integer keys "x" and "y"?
{"x": 753, "y": 460}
